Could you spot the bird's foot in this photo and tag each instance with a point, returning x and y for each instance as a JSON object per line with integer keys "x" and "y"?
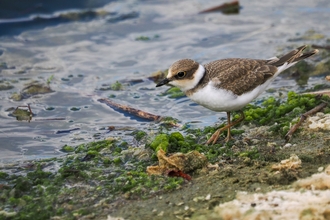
{"x": 213, "y": 139}
{"x": 215, "y": 136}
{"x": 228, "y": 138}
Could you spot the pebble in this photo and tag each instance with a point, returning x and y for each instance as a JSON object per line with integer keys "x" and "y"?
{"x": 198, "y": 199}
{"x": 287, "y": 145}
{"x": 319, "y": 121}
{"x": 320, "y": 169}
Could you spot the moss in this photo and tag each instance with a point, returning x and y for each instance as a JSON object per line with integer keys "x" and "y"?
{"x": 95, "y": 146}
{"x": 142, "y": 38}
{"x": 5, "y": 86}
{"x": 145, "y": 38}
{"x": 50, "y": 79}
{"x": 75, "y": 109}
{"x": 281, "y": 114}
{"x": 139, "y": 135}
{"x": 50, "y": 108}
{"x": 116, "y": 86}
{"x": 177, "y": 143}
{"x": 117, "y": 160}
{"x": 35, "y": 88}
{"x": 22, "y": 184}
{"x": 161, "y": 141}
{"x": 3, "y": 175}
{"x": 16, "y": 97}
{"x": 67, "y": 148}
{"x": 21, "y": 113}
{"x": 174, "y": 92}
{"x": 47, "y": 191}
{"x": 252, "y": 154}
{"x": 173, "y": 183}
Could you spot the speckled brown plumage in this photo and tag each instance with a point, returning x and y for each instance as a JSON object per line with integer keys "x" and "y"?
{"x": 243, "y": 75}
{"x": 185, "y": 65}
{"x": 237, "y": 75}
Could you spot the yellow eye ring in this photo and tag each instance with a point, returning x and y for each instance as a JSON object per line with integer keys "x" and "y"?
{"x": 181, "y": 74}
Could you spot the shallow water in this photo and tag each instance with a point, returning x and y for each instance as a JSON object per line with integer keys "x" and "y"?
{"x": 86, "y": 45}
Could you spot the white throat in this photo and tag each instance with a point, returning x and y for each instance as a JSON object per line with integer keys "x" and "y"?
{"x": 186, "y": 85}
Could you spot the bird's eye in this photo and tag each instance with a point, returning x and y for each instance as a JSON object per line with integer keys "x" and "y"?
{"x": 181, "y": 74}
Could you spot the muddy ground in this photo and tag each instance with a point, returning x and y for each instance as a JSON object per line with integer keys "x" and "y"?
{"x": 234, "y": 175}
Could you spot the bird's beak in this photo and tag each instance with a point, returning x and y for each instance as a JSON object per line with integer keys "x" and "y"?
{"x": 163, "y": 82}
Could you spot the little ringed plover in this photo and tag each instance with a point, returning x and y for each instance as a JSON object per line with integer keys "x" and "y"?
{"x": 229, "y": 84}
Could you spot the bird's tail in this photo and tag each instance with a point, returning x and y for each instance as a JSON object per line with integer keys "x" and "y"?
{"x": 292, "y": 57}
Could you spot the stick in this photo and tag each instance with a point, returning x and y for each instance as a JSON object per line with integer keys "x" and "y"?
{"x": 133, "y": 111}
{"x": 302, "y": 119}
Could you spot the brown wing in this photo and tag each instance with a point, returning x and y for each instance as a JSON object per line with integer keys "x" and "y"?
{"x": 238, "y": 75}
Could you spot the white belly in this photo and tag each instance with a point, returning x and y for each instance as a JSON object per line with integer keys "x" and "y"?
{"x": 223, "y": 100}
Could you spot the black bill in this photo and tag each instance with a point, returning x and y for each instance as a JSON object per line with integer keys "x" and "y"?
{"x": 163, "y": 82}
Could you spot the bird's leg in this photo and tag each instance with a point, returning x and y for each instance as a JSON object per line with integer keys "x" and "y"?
{"x": 216, "y": 134}
{"x": 229, "y": 137}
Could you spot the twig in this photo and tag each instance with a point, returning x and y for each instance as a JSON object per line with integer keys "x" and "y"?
{"x": 130, "y": 110}
{"x": 302, "y": 119}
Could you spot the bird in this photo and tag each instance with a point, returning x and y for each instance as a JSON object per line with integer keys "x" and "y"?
{"x": 227, "y": 85}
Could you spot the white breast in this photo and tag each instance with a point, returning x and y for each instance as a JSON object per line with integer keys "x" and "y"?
{"x": 219, "y": 100}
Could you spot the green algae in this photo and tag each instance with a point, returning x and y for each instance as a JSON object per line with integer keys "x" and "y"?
{"x": 3, "y": 175}
{"x": 142, "y": 38}
{"x": 67, "y": 148}
{"x": 281, "y": 114}
{"x": 90, "y": 173}
{"x": 174, "y": 93}
{"x": 93, "y": 176}
{"x": 5, "y": 86}
{"x": 75, "y": 109}
{"x": 50, "y": 79}
{"x": 36, "y": 88}
{"x": 116, "y": 86}
{"x": 16, "y": 96}
{"x": 139, "y": 135}
{"x": 146, "y": 38}
{"x": 22, "y": 114}
{"x": 161, "y": 141}
{"x": 277, "y": 115}
{"x": 168, "y": 122}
